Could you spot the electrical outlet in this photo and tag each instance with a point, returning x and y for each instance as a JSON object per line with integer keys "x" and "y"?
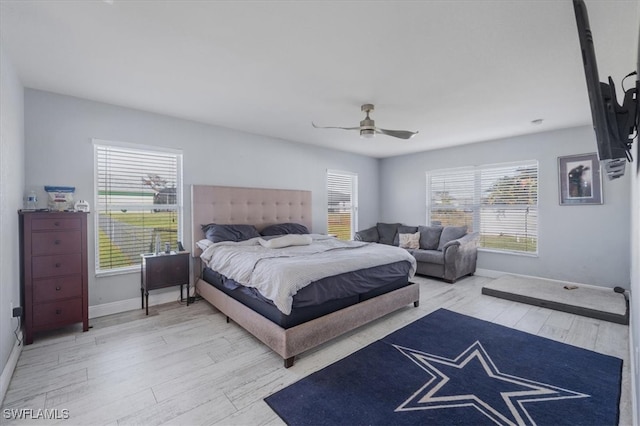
{"x": 17, "y": 311}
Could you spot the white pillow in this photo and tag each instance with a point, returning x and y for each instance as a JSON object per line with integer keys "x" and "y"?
{"x": 286, "y": 241}
{"x": 410, "y": 241}
{"x": 204, "y": 244}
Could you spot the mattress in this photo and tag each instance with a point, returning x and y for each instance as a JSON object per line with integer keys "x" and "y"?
{"x": 321, "y": 297}
{"x": 280, "y": 273}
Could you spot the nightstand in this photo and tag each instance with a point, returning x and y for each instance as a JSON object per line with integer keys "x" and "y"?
{"x": 163, "y": 270}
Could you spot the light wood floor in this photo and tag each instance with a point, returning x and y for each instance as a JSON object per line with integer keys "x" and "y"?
{"x": 186, "y": 365}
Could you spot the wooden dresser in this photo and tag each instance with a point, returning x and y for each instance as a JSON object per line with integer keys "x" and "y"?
{"x": 53, "y": 264}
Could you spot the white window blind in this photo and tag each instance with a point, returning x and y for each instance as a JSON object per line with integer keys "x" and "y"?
{"x": 342, "y": 214}
{"x": 138, "y": 199}
{"x": 500, "y": 201}
{"x": 451, "y": 197}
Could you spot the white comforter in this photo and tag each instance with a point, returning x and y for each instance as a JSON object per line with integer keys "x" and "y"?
{"x": 278, "y": 274}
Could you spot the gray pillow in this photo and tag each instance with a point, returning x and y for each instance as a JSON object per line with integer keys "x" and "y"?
{"x": 429, "y": 237}
{"x": 403, "y": 229}
{"x": 284, "y": 229}
{"x": 369, "y": 235}
{"x": 217, "y": 233}
{"x": 387, "y": 232}
{"x": 450, "y": 233}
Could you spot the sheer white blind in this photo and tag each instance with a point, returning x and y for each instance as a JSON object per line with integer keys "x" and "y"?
{"x": 342, "y": 189}
{"x": 138, "y": 198}
{"x": 500, "y": 201}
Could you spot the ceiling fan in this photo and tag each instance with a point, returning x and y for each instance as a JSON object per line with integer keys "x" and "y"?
{"x": 368, "y": 127}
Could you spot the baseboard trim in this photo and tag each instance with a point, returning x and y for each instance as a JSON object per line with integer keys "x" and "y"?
{"x": 10, "y": 366}
{"x": 490, "y": 273}
{"x": 111, "y": 308}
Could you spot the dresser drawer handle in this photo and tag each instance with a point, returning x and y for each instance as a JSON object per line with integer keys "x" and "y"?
{"x": 56, "y": 223}
{"x": 58, "y": 288}
{"x": 58, "y": 311}
{"x": 58, "y": 265}
{"x": 56, "y": 242}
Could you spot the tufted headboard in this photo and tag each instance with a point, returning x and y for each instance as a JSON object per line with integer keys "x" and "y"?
{"x": 246, "y": 206}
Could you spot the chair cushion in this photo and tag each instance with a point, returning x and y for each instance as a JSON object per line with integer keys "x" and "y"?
{"x": 450, "y": 233}
{"x": 409, "y": 241}
{"x": 429, "y": 237}
{"x": 403, "y": 229}
{"x": 429, "y": 256}
{"x": 369, "y": 235}
{"x": 387, "y": 232}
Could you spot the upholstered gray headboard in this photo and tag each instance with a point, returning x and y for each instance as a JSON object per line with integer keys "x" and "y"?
{"x": 246, "y": 206}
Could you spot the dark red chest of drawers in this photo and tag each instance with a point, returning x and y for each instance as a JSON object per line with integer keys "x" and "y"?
{"x": 53, "y": 265}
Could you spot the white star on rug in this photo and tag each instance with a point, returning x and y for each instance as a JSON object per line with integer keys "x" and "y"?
{"x": 473, "y": 380}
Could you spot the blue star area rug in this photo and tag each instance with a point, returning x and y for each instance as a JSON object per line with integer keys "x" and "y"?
{"x": 448, "y": 368}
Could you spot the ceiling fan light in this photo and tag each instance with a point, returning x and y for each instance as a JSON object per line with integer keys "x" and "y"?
{"x": 367, "y": 133}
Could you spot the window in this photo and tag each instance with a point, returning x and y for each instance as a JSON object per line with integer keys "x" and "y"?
{"x": 138, "y": 193}
{"x": 342, "y": 213}
{"x": 500, "y": 201}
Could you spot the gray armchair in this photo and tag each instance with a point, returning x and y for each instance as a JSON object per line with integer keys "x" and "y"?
{"x": 445, "y": 252}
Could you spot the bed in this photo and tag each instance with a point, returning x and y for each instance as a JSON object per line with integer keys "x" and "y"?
{"x": 286, "y": 334}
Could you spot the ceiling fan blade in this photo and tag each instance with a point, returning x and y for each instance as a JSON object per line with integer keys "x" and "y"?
{"x": 402, "y": 134}
{"x": 333, "y": 127}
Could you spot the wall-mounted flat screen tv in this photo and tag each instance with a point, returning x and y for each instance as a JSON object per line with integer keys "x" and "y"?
{"x": 615, "y": 125}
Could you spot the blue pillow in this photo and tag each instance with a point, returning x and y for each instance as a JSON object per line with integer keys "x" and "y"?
{"x": 218, "y": 233}
{"x": 284, "y": 228}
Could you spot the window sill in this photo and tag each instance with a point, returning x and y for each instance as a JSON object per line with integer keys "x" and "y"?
{"x": 511, "y": 253}
{"x": 122, "y": 271}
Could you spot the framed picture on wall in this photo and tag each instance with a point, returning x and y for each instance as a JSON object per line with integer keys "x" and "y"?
{"x": 580, "y": 179}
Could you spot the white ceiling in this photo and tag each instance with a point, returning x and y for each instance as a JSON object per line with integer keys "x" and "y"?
{"x": 457, "y": 71}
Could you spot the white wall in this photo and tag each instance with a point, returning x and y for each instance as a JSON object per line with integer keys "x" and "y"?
{"x": 584, "y": 244}
{"x": 11, "y": 193}
{"x": 635, "y": 275}
{"x": 635, "y": 265}
{"x": 58, "y": 132}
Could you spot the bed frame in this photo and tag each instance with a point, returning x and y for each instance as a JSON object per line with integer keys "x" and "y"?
{"x": 262, "y": 207}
